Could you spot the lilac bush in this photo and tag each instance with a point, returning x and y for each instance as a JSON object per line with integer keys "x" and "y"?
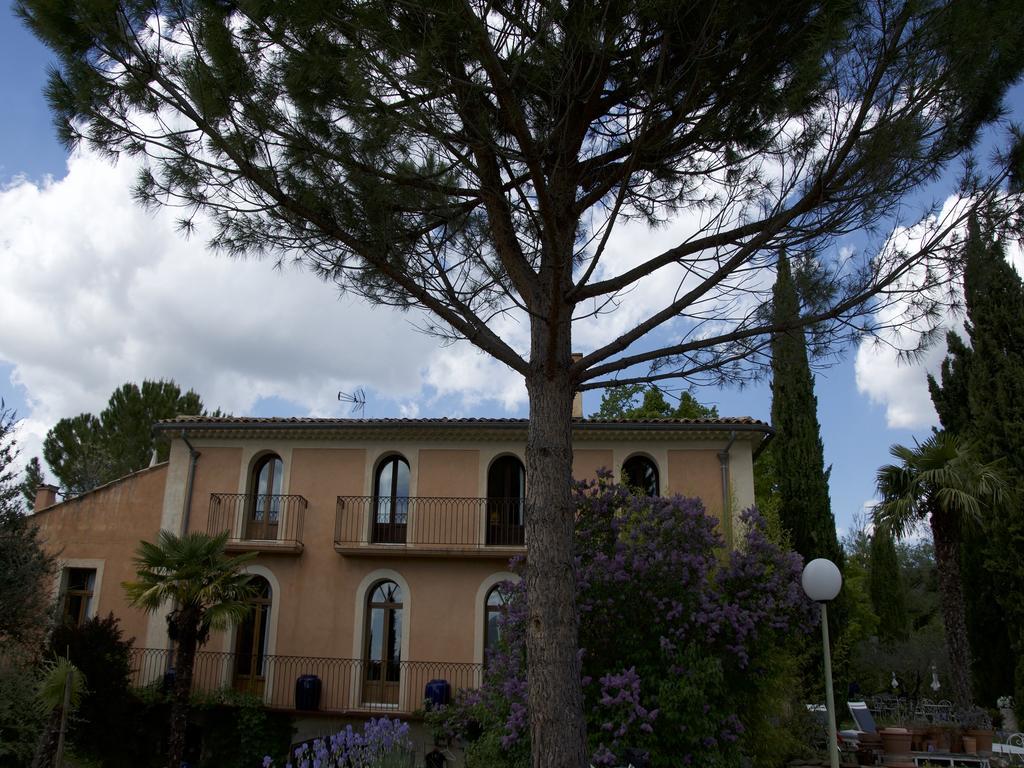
{"x": 382, "y": 743}
{"x": 675, "y": 634}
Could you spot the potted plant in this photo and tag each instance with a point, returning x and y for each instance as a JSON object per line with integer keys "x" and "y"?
{"x": 919, "y": 732}
{"x": 977, "y": 725}
{"x": 895, "y": 741}
{"x": 945, "y": 736}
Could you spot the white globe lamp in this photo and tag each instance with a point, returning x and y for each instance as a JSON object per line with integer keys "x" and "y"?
{"x": 821, "y": 582}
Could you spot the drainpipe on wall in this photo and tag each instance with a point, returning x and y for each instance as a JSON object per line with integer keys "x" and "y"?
{"x": 193, "y": 460}
{"x": 723, "y": 458}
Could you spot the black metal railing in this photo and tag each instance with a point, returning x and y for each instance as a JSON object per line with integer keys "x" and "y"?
{"x": 429, "y": 522}
{"x": 258, "y": 517}
{"x": 344, "y": 685}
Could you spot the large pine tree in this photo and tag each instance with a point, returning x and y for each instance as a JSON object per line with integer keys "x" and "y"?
{"x": 980, "y": 394}
{"x": 87, "y": 451}
{"x": 801, "y": 480}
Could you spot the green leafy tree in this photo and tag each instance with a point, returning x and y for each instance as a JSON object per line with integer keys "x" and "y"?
{"x": 207, "y": 590}
{"x": 129, "y": 417}
{"x": 801, "y": 480}
{"x": 62, "y": 682}
{"x": 98, "y": 648}
{"x": 980, "y": 395}
{"x": 25, "y": 567}
{"x": 923, "y": 651}
{"x": 87, "y": 451}
{"x": 32, "y": 480}
{"x": 621, "y": 403}
{"x": 75, "y": 451}
{"x": 473, "y": 160}
{"x": 941, "y": 480}
{"x": 888, "y": 594}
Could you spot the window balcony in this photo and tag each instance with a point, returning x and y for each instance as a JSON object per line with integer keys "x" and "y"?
{"x": 429, "y": 526}
{"x": 346, "y": 686}
{"x": 258, "y": 522}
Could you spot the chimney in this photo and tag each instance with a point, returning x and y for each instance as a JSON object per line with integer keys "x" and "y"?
{"x": 46, "y": 496}
{"x": 577, "y": 399}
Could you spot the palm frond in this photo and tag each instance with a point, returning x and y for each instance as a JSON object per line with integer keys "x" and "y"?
{"x": 940, "y": 475}
{"x": 190, "y": 571}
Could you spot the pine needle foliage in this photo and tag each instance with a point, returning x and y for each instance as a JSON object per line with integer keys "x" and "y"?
{"x": 800, "y": 476}
{"x": 980, "y": 395}
{"x": 477, "y": 162}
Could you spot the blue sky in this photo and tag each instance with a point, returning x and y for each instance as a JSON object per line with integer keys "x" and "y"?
{"x": 101, "y": 293}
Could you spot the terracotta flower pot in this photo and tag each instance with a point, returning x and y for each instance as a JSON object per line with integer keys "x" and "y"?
{"x": 941, "y": 738}
{"x": 970, "y": 745}
{"x": 982, "y": 737}
{"x": 895, "y": 741}
{"x": 917, "y": 738}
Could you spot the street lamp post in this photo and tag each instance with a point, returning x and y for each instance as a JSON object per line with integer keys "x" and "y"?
{"x": 822, "y": 582}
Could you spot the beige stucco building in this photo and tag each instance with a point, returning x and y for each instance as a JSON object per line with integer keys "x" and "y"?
{"x": 380, "y": 541}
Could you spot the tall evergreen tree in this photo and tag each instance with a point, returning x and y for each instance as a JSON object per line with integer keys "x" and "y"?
{"x": 474, "y": 159}
{"x": 86, "y": 451}
{"x": 980, "y": 394}
{"x": 801, "y": 479}
{"x": 32, "y": 480}
{"x": 944, "y": 482}
{"x": 25, "y": 568}
{"x": 888, "y": 594}
{"x": 621, "y": 403}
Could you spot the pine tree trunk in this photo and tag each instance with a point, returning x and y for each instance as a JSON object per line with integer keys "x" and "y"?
{"x": 184, "y": 662}
{"x": 947, "y": 562}
{"x": 557, "y": 726}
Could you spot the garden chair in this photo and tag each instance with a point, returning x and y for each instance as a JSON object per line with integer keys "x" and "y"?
{"x": 862, "y": 716}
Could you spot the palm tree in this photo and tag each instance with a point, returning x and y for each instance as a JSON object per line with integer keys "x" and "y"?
{"x": 944, "y": 481}
{"x": 206, "y": 589}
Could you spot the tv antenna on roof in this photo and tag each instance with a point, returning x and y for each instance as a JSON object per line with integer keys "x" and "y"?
{"x": 357, "y": 398}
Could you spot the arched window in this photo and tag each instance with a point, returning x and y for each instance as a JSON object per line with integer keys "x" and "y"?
{"x": 495, "y": 607}
{"x": 382, "y": 655}
{"x": 391, "y": 501}
{"x": 506, "y": 493}
{"x": 251, "y": 641}
{"x": 641, "y": 473}
{"x": 265, "y": 504}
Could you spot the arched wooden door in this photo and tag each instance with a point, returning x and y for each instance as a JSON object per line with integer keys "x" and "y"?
{"x": 264, "y": 511}
{"x": 506, "y": 497}
{"x": 382, "y": 650}
{"x": 250, "y": 673}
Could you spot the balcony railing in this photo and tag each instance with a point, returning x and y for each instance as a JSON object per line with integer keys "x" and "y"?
{"x": 263, "y": 522}
{"x": 345, "y": 685}
{"x": 428, "y": 525}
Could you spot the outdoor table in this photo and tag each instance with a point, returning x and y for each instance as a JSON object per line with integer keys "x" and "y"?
{"x": 950, "y": 759}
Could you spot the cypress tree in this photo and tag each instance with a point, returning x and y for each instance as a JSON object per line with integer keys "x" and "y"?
{"x": 801, "y": 479}
{"x": 980, "y": 394}
{"x": 888, "y": 594}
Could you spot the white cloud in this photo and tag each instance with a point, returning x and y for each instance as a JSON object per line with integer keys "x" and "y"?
{"x": 95, "y": 292}
{"x": 901, "y": 386}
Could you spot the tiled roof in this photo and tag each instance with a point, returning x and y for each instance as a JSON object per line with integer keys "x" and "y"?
{"x": 306, "y": 421}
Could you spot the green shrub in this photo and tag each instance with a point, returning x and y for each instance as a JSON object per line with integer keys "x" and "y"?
{"x": 98, "y": 648}
{"x": 236, "y": 730}
{"x": 20, "y": 720}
